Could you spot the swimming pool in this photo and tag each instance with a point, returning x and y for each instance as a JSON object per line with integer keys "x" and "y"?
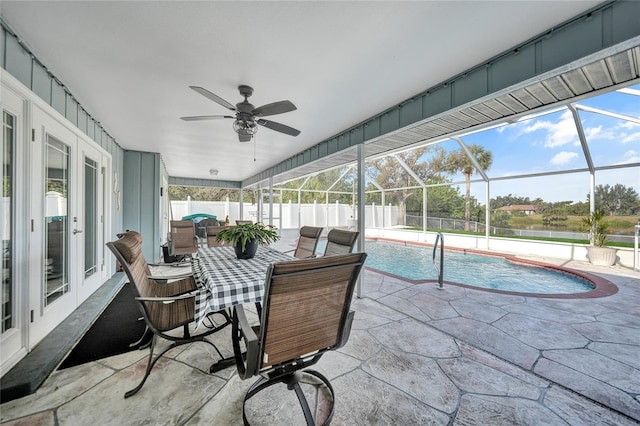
{"x": 415, "y": 263}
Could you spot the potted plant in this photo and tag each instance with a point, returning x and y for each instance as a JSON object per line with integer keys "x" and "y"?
{"x": 597, "y": 253}
{"x": 246, "y": 238}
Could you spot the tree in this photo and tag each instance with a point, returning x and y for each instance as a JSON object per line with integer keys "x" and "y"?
{"x": 458, "y": 161}
{"x": 314, "y": 188}
{"x": 555, "y": 216}
{"x": 444, "y": 202}
{"x": 616, "y": 199}
{"x": 508, "y": 200}
{"x": 578, "y": 208}
{"x": 500, "y": 219}
{"x": 389, "y": 174}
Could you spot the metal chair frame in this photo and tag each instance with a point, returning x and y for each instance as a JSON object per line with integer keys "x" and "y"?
{"x": 308, "y": 299}
{"x": 164, "y": 306}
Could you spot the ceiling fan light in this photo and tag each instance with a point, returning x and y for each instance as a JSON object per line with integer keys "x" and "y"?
{"x": 246, "y": 128}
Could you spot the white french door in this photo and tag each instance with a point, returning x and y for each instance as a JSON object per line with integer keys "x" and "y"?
{"x": 67, "y": 201}
{"x": 53, "y": 283}
{"x": 12, "y": 294}
{"x": 90, "y": 230}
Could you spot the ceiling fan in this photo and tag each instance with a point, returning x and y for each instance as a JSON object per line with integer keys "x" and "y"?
{"x": 247, "y": 116}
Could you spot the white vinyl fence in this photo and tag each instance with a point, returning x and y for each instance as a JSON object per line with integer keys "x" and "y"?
{"x": 290, "y": 215}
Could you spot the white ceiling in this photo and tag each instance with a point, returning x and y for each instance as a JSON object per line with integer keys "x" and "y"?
{"x": 130, "y": 64}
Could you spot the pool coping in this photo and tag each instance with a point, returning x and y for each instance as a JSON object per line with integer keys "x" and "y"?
{"x": 602, "y": 286}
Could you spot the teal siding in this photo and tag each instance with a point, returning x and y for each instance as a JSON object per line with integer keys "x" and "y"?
{"x": 141, "y": 199}
{"x": 41, "y": 82}
{"x": 58, "y": 97}
{"x": 208, "y": 183}
{"x": 18, "y": 61}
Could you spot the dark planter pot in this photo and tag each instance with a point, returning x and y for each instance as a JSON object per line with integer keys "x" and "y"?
{"x": 249, "y": 251}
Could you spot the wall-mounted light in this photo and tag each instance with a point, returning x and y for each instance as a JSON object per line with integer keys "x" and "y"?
{"x": 213, "y": 172}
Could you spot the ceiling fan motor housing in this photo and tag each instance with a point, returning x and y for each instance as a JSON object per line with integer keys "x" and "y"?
{"x": 245, "y": 90}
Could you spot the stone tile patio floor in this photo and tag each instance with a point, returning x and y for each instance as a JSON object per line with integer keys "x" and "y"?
{"x": 416, "y": 355}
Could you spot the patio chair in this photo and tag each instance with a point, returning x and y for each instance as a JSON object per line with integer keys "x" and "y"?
{"x": 306, "y": 314}
{"x": 307, "y": 242}
{"x": 182, "y": 238}
{"x": 243, "y": 222}
{"x": 212, "y": 231}
{"x": 164, "y": 307}
{"x": 340, "y": 242}
{"x": 201, "y": 228}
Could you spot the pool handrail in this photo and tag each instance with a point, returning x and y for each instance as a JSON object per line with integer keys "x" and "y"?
{"x": 440, "y": 270}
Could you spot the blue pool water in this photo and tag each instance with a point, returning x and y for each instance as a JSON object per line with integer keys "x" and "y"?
{"x": 416, "y": 263}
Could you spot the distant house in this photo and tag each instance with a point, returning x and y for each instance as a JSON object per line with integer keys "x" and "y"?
{"x": 525, "y": 208}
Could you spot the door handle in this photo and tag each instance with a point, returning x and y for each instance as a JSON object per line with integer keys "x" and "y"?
{"x": 77, "y": 231}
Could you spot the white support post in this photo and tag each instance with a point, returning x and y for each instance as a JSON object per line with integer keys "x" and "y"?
{"x": 635, "y": 247}
{"x": 424, "y": 209}
{"x": 382, "y": 205}
{"x": 271, "y": 201}
{"x": 361, "y": 218}
{"x": 487, "y": 214}
{"x": 326, "y": 210}
{"x": 315, "y": 218}
{"x": 299, "y": 209}
{"x": 373, "y": 214}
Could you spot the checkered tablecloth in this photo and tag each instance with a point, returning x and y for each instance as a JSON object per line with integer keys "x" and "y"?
{"x": 225, "y": 281}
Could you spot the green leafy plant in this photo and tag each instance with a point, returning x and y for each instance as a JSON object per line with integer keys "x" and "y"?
{"x": 595, "y": 225}
{"x": 245, "y": 233}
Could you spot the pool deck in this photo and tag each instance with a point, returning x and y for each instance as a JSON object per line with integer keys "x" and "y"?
{"x": 417, "y": 355}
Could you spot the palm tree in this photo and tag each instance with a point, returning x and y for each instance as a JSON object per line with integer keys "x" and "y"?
{"x": 458, "y": 161}
{"x": 391, "y": 176}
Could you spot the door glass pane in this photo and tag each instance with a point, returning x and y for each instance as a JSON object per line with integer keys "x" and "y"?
{"x": 8, "y": 140}
{"x": 90, "y": 212}
{"x": 56, "y": 202}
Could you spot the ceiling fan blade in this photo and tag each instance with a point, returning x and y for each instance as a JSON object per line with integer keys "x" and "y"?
{"x": 213, "y": 97}
{"x": 279, "y": 127}
{"x": 244, "y": 138}
{"x": 205, "y": 117}
{"x": 274, "y": 108}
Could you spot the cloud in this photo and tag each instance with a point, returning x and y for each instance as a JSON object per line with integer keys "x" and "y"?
{"x": 592, "y": 133}
{"x": 563, "y": 158}
{"x": 629, "y": 125}
{"x": 631, "y": 137}
{"x": 559, "y": 133}
{"x": 630, "y": 156}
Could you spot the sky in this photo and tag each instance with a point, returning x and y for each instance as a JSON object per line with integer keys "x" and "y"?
{"x": 550, "y": 143}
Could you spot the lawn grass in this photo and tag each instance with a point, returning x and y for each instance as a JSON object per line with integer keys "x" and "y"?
{"x": 617, "y": 224}
{"x": 518, "y": 237}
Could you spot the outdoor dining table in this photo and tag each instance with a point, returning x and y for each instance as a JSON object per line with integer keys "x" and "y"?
{"x": 225, "y": 281}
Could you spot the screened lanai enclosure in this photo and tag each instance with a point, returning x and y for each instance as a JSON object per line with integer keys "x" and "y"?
{"x": 531, "y": 175}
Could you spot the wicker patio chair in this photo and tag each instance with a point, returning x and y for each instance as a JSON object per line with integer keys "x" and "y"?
{"x": 182, "y": 238}
{"x": 340, "y": 242}
{"x": 212, "y": 231}
{"x": 201, "y": 229}
{"x": 164, "y": 306}
{"x": 306, "y": 313}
